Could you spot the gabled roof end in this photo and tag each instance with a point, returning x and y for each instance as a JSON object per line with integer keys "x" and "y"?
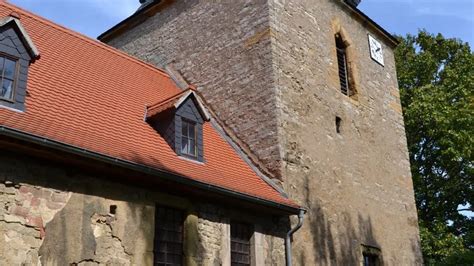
{"x": 200, "y": 105}
{"x": 176, "y": 101}
{"x": 33, "y": 51}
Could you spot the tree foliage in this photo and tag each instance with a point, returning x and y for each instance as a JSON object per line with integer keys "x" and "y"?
{"x": 436, "y": 78}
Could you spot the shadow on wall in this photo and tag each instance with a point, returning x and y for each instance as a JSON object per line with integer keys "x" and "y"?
{"x": 343, "y": 248}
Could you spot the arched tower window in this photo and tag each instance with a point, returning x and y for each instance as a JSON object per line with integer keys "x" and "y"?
{"x": 343, "y": 66}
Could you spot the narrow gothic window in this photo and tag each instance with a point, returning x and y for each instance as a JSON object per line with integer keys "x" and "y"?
{"x": 8, "y": 71}
{"x": 168, "y": 246}
{"x": 342, "y": 66}
{"x": 188, "y": 138}
{"x": 240, "y": 236}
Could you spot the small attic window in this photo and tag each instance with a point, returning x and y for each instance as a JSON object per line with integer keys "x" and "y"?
{"x": 17, "y": 52}
{"x": 180, "y": 121}
{"x": 8, "y": 74}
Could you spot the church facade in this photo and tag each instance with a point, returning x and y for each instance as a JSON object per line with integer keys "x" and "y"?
{"x": 309, "y": 90}
{"x": 263, "y": 132}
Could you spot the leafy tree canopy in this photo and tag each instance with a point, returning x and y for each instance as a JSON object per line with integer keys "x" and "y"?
{"x": 436, "y": 79}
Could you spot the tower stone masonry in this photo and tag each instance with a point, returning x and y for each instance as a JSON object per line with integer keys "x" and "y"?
{"x": 269, "y": 70}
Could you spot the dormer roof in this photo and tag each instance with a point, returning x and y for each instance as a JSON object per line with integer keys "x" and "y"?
{"x": 24, "y": 37}
{"x": 176, "y": 101}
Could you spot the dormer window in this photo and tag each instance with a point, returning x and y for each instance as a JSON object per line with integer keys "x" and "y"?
{"x": 188, "y": 138}
{"x": 17, "y": 52}
{"x": 8, "y": 73}
{"x": 180, "y": 121}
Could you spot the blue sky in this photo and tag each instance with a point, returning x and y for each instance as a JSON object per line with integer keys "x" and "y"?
{"x": 452, "y": 18}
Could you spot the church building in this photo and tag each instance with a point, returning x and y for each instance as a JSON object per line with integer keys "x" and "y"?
{"x": 265, "y": 132}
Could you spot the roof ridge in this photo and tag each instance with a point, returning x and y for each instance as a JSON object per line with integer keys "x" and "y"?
{"x": 83, "y": 37}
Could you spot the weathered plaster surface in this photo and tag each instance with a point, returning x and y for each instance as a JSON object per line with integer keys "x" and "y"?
{"x": 52, "y": 215}
{"x": 269, "y": 70}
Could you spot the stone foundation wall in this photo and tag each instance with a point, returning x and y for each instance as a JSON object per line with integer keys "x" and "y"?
{"x": 52, "y": 215}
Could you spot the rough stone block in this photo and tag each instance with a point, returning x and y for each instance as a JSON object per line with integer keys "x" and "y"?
{"x": 13, "y": 219}
{"x": 19, "y": 211}
{"x": 34, "y": 221}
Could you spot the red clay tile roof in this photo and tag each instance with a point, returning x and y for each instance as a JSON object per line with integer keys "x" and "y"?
{"x": 84, "y": 93}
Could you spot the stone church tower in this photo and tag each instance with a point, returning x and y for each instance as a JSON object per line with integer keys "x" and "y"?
{"x": 314, "y": 103}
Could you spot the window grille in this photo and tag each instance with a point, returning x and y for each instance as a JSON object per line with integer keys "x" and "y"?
{"x": 240, "y": 235}
{"x": 342, "y": 66}
{"x": 168, "y": 246}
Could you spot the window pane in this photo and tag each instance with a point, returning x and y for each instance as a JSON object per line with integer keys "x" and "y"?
{"x": 192, "y": 147}
{"x": 10, "y": 68}
{"x": 184, "y": 145}
{"x": 184, "y": 128}
{"x": 192, "y": 131}
{"x": 7, "y": 89}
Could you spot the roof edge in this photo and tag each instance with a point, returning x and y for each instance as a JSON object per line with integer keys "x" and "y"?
{"x": 108, "y": 34}
{"x": 183, "y": 96}
{"x": 166, "y": 175}
{"x": 201, "y": 107}
{"x": 83, "y": 37}
{"x": 247, "y": 158}
{"x": 388, "y": 36}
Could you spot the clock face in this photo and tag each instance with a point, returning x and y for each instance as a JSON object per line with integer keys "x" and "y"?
{"x": 376, "y": 51}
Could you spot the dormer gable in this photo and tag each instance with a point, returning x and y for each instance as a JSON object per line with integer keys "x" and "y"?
{"x": 179, "y": 120}
{"x": 17, "y": 52}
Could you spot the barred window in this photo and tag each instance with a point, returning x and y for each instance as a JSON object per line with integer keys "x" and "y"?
{"x": 343, "y": 66}
{"x": 240, "y": 236}
{"x": 168, "y": 246}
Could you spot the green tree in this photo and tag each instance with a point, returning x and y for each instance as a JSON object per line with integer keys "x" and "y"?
{"x": 436, "y": 78}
